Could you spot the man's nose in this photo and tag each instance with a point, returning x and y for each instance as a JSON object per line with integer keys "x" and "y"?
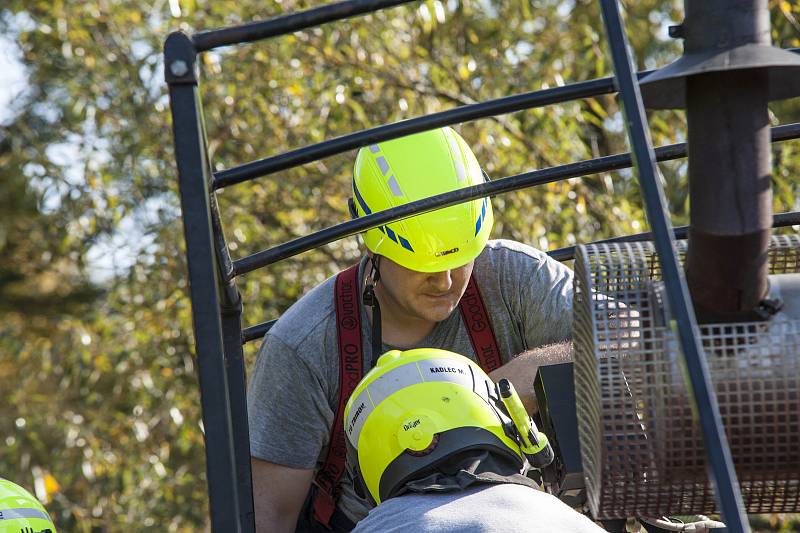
{"x": 442, "y": 281}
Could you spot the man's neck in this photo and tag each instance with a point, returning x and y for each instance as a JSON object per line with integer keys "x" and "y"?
{"x": 399, "y": 329}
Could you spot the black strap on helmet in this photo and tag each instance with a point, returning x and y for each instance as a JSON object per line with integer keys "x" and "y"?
{"x": 351, "y": 206}
{"x": 371, "y": 300}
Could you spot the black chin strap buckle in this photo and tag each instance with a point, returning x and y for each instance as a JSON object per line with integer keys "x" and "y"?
{"x": 369, "y": 295}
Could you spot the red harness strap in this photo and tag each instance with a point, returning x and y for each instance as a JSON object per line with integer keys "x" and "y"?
{"x": 348, "y": 329}
{"x": 473, "y": 312}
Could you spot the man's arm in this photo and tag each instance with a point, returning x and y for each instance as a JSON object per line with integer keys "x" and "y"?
{"x": 521, "y": 370}
{"x": 278, "y": 495}
{"x": 284, "y": 447}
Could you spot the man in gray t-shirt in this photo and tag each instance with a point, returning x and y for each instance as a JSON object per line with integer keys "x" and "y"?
{"x": 417, "y": 269}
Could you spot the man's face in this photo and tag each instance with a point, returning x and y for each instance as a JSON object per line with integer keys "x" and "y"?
{"x": 429, "y": 296}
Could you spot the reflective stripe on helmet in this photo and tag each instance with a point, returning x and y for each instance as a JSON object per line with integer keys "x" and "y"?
{"x": 361, "y": 203}
{"x": 427, "y": 370}
{"x": 458, "y": 163}
{"x": 383, "y": 164}
{"x": 23, "y": 512}
{"x": 481, "y": 216}
{"x": 394, "y": 186}
{"x": 399, "y": 239}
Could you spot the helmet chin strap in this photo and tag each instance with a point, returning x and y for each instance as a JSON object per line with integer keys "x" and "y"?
{"x": 371, "y": 300}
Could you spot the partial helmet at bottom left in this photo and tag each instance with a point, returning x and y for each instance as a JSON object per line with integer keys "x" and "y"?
{"x": 21, "y": 512}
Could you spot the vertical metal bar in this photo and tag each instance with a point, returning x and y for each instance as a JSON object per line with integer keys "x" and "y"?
{"x": 231, "y": 312}
{"x": 723, "y": 475}
{"x": 194, "y": 174}
{"x": 237, "y": 394}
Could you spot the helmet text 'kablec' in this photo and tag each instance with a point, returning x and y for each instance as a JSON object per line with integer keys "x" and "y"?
{"x": 438, "y": 369}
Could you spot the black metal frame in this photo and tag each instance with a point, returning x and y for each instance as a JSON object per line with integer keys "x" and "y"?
{"x": 216, "y": 303}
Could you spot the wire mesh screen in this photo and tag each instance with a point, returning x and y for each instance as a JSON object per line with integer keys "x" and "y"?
{"x": 641, "y": 446}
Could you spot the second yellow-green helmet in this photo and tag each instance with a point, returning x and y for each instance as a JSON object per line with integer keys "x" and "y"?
{"x": 416, "y": 410}
{"x": 392, "y": 173}
{"x": 20, "y": 511}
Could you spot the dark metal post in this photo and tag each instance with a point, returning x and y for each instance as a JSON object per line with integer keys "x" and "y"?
{"x": 231, "y": 312}
{"x": 729, "y": 164}
{"x": 237, "y": 388}
{"x": 194, "y": 174}
{"x": 726, "y": 486}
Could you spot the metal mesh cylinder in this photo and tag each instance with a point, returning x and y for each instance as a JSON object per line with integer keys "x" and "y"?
{"x": 641, "y": 446}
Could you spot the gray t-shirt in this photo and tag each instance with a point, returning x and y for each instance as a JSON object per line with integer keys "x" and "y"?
{"x": 481, "y": 509}
{"x": 293, "y": 391}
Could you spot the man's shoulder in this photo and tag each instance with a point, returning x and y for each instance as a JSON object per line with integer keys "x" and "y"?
{"x": 503, "y": 256}
{"x": 308, "y": 317}
{"x": 505, "y": 248}
{"x": 507, "y": 263}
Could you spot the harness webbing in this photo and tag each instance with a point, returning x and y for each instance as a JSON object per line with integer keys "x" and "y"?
{"x": 348, "y": 329}
{"x": 481, "y": 334}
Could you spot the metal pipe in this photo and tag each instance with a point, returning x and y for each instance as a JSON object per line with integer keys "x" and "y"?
{"x": 282, "y": 25}
{"x": 559, "y": 254}
{"x": 729, "y": 165}
{"x": 511, "y": 183}
{"x": 498, "y": 106}
{"x": 465, "y": 113}
{"x": 568, "y": 252}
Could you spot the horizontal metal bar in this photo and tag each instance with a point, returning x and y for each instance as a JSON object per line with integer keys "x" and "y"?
{"x": 511, "y": 183}
{"x": 560, "y": 254}
{"x": 285, "y": 24}
{"x": 465, "y": 113}
{"x": 780, "y": 220}
{"x": 257, "y": 331}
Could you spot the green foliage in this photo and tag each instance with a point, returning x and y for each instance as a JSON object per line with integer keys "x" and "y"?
{"x": 101, "y": 409}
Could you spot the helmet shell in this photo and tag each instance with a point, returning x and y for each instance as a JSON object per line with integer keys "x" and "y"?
{"x": 415, "y": 410}
{"x": 19, "y": 510}
{"x": 396, "y": 172}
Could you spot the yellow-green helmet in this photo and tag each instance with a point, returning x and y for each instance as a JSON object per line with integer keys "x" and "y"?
{"x": 396, "y": 172}
{"x": 21, "y": 512}
{"x": 415, "y": 410}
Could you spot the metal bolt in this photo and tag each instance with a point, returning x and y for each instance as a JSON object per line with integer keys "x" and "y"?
{"x": 179, "y": 68}
{"x": 677, "y": 32}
